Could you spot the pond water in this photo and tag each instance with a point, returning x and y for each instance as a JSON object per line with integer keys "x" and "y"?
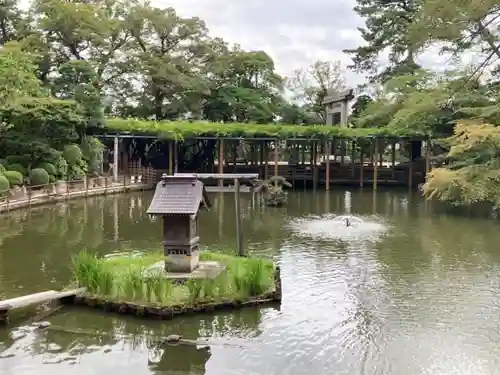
{"x": 402, "y": 290}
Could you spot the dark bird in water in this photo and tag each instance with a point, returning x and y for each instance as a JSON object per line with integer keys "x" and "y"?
{"x": 347, "y": 222}
{"x": 172, "y": 339}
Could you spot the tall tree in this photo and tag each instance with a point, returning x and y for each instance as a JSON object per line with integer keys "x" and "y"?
{"x": 243, "y": 87}
{"x": 312, "y": 85}
{"x": 461, "y": 26}
{"x": 386, "y": 30}
{"x": 170, "y": 51}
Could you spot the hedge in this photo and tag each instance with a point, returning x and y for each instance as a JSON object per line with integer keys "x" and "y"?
{"x": 179, "y": 130}
{"x": 4, "y": 185}
{"x": 15, "y": 178}
{"x": 17, "y": 167}
{"x": 39, "y": 176}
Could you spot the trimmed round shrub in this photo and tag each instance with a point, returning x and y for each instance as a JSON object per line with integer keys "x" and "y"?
{"x": 50, "y": 168}
{"x": 73, "y": 154}
{"x": 2, "y": 168}
{"x": 4, "y": 185}
{"x": 15, "y": 178}
{"x": 39, "y": 176}
{"x": 3, "y": 162}
{"x": 17, "y": 167}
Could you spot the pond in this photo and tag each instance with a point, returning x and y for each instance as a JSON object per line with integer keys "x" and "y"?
{"x": 403, "y": 290}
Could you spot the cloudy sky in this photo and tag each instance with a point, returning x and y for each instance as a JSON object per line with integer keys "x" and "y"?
{"x": 294, "y": 33}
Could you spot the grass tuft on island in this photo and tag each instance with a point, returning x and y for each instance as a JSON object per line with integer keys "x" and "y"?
{"x": 123, "y": 278}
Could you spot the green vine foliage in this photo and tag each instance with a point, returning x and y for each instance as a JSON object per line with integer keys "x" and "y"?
{"x": 178, "y": 130}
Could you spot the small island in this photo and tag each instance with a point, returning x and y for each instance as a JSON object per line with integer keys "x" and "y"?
{"x": 129, "y": 283}
{"x": 181, "y": 278}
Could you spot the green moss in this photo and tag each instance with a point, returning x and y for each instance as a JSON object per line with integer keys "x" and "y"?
{"x": 124, "y": 278}
{"x": 186, "y": 130}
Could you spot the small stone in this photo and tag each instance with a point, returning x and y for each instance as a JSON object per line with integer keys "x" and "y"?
{"x": 42, "y": 325}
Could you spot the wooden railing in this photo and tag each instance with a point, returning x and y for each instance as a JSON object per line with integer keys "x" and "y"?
{"x": 25, "y": 196}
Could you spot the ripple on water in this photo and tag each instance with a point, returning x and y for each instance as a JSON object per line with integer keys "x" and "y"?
{"x": 332, "y": 227}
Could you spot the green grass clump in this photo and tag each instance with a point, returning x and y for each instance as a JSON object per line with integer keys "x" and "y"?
{"x": 124, "y": 278}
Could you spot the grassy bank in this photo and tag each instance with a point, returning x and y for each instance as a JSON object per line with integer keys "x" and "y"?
{"x": 124, "y": 278}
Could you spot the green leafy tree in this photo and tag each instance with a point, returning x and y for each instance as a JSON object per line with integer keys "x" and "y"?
{"x": 386, "y": 29}
{"x": 359, "y": 106}
{"x": 472, "y": 174}
{"x": 312, "y": 85}
{"x": 244, "y": 87}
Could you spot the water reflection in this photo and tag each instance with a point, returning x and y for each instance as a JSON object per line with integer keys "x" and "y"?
{"x": 417, "y": 297}
{"x": 77, "y": 336}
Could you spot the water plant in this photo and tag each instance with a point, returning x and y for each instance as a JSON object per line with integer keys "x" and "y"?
{"x": 209, "y": 288}
{"x": 195, "y": 287}
{"x": 126, "y": 278}
{"x": 87, "y": 269}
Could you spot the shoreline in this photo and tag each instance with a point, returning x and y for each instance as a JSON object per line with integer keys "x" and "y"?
{"x": 50, "y": 194}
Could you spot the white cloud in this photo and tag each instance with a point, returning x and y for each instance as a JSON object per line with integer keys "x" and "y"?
{"x": 294, "y": 32}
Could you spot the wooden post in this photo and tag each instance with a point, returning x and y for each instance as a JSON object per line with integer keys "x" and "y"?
{"x": 221, "y": 214}
{"x": 221, "y": 161}
{"x": 353, "y": 156}
{"x": 314, "y": 165}
{"x": 361, "y": 165}
{"x": 239, "y": 235}
{"x": 170, "y": 158}
{"x": 427, "y": 157}
{"x": 381, "y": 154}
{"x": 176, "y": 156}
{"x": 342, "y": 151}
{"x": 266, "y": 160}
{"x": 276, "y": 159}
{"x": 115, "y": 160}
{"x": 235, "y": 156}
{"x": 261, "y": 162}
{"x": 334, "y": 150}
{"x": 393, "y": 160}
{"x": 410, "y": 174}
{"x": 375, "y": 165}
{"x": 327, "y": 172}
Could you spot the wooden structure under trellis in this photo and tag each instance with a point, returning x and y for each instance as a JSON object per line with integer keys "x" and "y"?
{"x": 400, "y": 161}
